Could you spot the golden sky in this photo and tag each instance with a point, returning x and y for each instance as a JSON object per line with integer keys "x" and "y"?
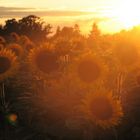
{"x": 111, "y": 15}
{"x": 58, "y": 4}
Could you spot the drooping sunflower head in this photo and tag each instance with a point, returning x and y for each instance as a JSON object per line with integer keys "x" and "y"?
{"x": 102, "y": 109}
{"x": 88, "y": 69}
{"x": 44, "y": 60}
{"x": 8, "y": 64}
{"x": 16, "y": 48}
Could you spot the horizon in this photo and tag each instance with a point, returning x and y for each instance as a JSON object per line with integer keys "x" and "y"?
{"x": 111, "y": 15}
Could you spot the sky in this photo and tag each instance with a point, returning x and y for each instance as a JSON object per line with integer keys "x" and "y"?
{"x": 110, "y": 15}
{"x": 57, "y": 4}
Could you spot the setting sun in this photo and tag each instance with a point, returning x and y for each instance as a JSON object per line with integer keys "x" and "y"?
{"x": 127, "y": 13}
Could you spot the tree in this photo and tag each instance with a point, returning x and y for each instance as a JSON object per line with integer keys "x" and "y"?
{"x": 58, "y": 30}
{"x": 34, "y": 28}
{"x": 68, "y": 32}
{"x": 76, "y": 30}
{"x": 1, "y": 29}
{"x": 95, "y": 32}
{"x": 31, "y": 26}
{"x": 10, "y": 26}
{"x": 94, "y": 37}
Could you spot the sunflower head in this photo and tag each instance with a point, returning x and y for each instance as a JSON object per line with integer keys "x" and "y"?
{"x": 8, "y": 64}
{"x": 102, "y": 109}
{"x": 44, "y": 60}
{"x": 88, "y": 69}
{"x": 16, "y": 48}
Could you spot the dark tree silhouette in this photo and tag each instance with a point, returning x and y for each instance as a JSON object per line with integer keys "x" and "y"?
{"x": 1, "y": 29}
{"x": 10, "y": 26}
{"x": 31, "y": 26}
{"x": 34, "y": 28}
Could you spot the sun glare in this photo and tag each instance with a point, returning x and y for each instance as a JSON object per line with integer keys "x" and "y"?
{"x": 127, "y": 13}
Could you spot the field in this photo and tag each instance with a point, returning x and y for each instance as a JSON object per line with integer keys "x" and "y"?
{"x": 68, "y": 86}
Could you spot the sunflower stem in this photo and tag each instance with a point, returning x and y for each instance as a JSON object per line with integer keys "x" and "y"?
{"x": 3, "y": 107}
{"x": 3, "y": 91}
{"x": 120, "y": 81}
{"x": 2, "y": 94}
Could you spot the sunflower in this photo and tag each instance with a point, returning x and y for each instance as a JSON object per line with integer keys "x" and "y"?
{"x": 88, "y": 69}
{"x": 102, "y": 109}
{"x": 44, "y": 60}
{"x": 8, "y": 63}
{"x": 16, "y": 48}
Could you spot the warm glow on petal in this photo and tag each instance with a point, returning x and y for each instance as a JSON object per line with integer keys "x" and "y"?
{"x": 102, "y": 109}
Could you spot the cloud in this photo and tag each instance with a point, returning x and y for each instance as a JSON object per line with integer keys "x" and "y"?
{"x": 12, "y": 9}
{"x": 7, "y": 12}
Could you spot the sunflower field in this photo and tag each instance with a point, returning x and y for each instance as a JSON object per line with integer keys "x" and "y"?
{"x": 71, "y": 86}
